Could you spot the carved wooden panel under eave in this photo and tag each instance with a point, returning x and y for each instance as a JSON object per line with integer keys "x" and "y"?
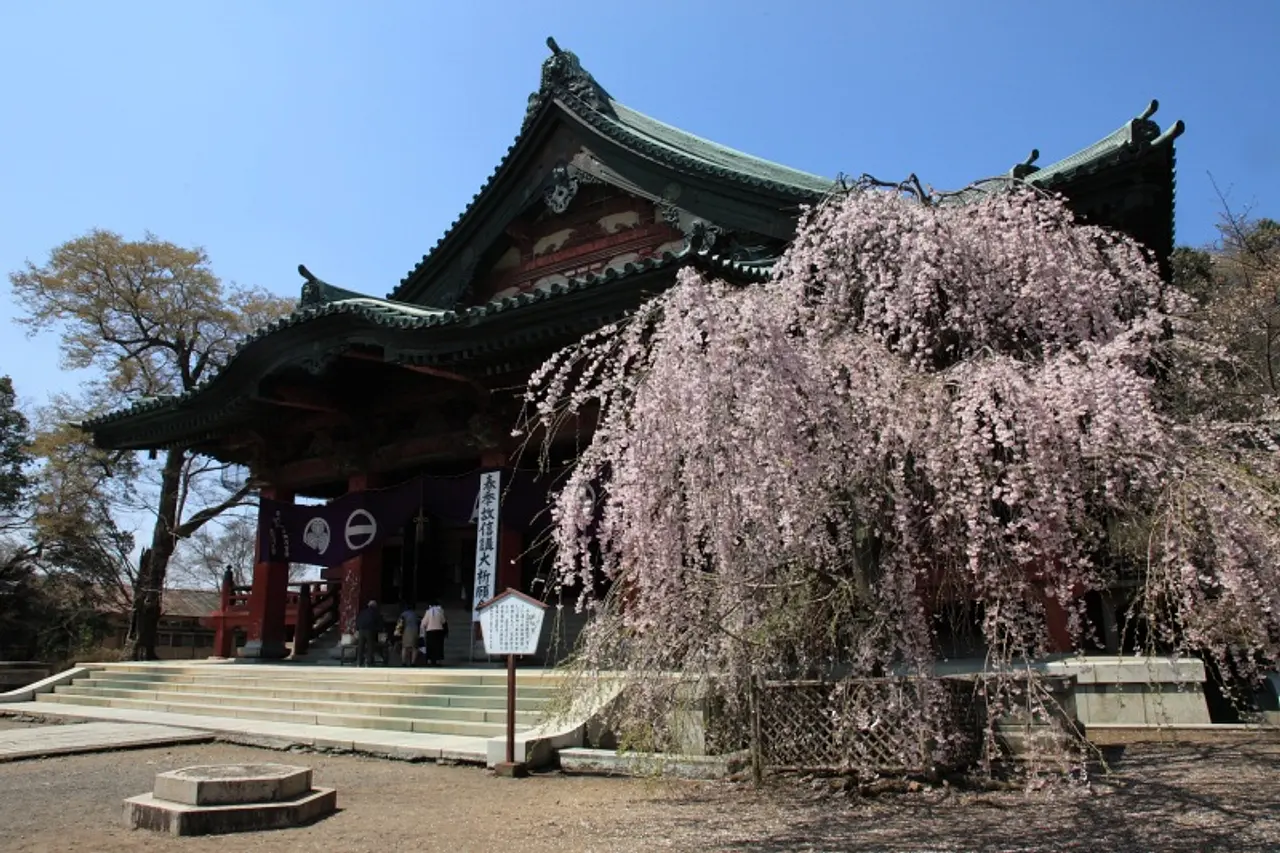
{"x": 580, "y": 228}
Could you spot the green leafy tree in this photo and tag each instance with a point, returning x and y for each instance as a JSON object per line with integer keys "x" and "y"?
{"x": 65, "y": 563}
{"x": 154, "y": 321}
{"x": 15, "y": 481}
{"x": 15, "y": 455}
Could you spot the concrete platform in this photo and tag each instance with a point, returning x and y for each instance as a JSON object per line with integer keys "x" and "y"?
{"x": 149, "y": 812}
{"x": 405, "y": 746}
{"x": 608, "y": 762}
{"x": 47, "y": 741}
{"x": 1209, "y": 734}
{"x": 232, "y": 784}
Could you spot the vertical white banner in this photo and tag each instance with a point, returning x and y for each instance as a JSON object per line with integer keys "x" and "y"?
{"x": 486, "y": 540}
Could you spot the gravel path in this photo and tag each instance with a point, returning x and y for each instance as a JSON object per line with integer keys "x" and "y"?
{"x": 1163, "y": 800}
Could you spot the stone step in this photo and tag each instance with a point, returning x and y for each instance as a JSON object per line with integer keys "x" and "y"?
{"x": 396, "y": 674}
{"x": 443, "y": 713}
{"x": 370, "y": 696}
{"x": 147, "y": 811}
{"x": 392, "y": 679}
{"x": 350, "y": 720}
{"x": 338, "y": 685}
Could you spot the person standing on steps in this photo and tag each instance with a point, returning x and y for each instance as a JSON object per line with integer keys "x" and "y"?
{"x": 434, "y": 629}
{"x": 408, "y": 626}
{"x": 368, "y": 624}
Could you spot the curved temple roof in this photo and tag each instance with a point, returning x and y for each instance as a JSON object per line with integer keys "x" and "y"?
{"x": 565, "y": 85}
{"x": 253, "y": 358}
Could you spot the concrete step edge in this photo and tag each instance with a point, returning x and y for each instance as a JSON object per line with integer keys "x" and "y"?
{"x": 426, "y": 712}
{"x": 464, "y": 729}
{"x": 416, "y": 700}
{"x": 309, "y": 672}
{"x": 450, "y": 688}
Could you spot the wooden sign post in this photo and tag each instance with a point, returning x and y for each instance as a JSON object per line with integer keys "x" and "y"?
{"x": 511, "y": 624}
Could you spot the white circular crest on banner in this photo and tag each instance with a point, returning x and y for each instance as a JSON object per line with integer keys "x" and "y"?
{"x": 316, "y": 535}
{"x": 361, "y": 529}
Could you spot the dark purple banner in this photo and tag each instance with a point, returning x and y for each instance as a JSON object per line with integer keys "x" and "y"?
{"x": 332, "y": 533}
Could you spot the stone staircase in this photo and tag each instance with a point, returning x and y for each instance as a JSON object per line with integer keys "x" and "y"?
{"x": 468, "y": 703}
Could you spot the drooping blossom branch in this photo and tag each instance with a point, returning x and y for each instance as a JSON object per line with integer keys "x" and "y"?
{"x": 929, "y": 407}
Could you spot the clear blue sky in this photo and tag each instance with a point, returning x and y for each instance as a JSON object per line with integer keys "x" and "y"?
{"x": 348, "y": 136}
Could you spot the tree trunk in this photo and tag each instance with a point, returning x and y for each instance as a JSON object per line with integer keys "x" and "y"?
{"x": 148, "y": 589}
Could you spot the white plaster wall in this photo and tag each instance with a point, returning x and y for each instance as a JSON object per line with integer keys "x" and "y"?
{"x": 615, "y": 222}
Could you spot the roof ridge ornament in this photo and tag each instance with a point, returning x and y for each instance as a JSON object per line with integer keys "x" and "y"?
{"x": 1027, "y": 166}
{"x": 564, "y": 77}
{"x": 312, "y": 289}
{"x": 317, "y": 291}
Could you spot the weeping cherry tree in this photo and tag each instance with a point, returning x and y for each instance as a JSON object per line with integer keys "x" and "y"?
{"x": 932, "y": 406}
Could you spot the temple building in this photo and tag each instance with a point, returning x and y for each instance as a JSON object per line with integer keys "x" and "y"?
{"x": 394, "y": 408}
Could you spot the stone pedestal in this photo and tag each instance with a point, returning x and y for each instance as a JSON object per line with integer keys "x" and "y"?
{"x": 1136, "y": 691}
{"x": 230, "y": 798}
{"x": 511, "y": 769}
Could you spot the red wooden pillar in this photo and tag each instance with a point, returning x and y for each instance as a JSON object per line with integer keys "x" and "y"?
{"x": 362, "y": 574}
{"x": 510, "y": 546}
{"x": 270, "y": 593}
{"x": 1059, "y": 631}
{"x": 302, "y": 630}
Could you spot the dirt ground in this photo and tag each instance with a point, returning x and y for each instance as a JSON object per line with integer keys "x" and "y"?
{"x": 6, "y": 723}
{"x": 1162, "y": 800}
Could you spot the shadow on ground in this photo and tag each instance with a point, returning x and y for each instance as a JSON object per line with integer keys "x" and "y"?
{"x": 1156, "y": 799}
{"x": 1159, "y": 799}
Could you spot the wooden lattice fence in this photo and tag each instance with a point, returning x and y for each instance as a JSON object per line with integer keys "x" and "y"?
{"x": 866, "y": 724}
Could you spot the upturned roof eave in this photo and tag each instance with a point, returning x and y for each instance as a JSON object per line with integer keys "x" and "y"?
{"x": 338, "y": 325}
{"x": 640, "y": 135}
{"x": 553, "y": 110}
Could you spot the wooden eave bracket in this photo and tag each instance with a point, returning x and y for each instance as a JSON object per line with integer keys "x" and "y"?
{"x": 438, "y": 372}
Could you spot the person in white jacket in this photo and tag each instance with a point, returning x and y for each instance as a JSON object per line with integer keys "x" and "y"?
{"x": 434, "y": 629}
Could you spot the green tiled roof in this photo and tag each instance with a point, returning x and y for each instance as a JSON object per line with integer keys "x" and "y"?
{"x": 567, "y": 84}
{"x": 390, "y": 314}
{"x": 693, "y": 153}
{"x": 1135, "y": 137}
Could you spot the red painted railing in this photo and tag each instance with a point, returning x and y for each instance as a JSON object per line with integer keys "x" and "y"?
{"x": 311, "y": 608}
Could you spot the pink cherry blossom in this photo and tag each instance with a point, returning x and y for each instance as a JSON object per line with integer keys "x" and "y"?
{"x": 931, "y": 409}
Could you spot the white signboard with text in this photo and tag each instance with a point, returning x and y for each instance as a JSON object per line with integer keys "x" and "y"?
{"x": 511, "y": 624}
{"x": 486, "y": 540}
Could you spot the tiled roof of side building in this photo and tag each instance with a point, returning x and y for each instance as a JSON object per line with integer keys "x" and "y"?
{"x": 180, "y": 603}
{"x": 321, "y": 299}
{"x": 1134, "y": 138}
{"x": 1139, "y": 139}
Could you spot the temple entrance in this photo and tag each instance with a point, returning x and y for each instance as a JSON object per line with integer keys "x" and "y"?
{"x": 429, "y": 558}
{"x": 445, "y": 569}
